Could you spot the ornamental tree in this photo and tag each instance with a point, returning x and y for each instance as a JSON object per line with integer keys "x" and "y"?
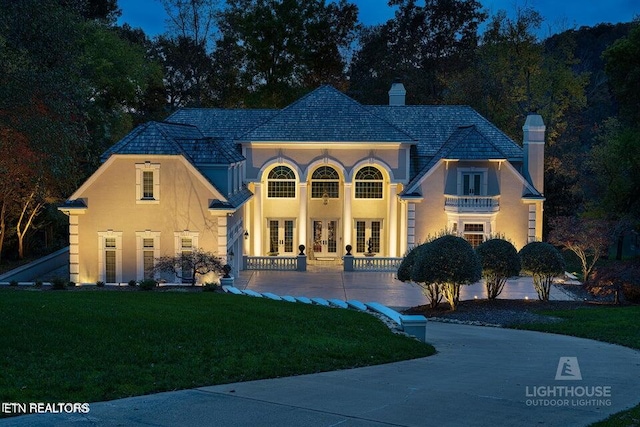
{"x": 589, "y": 239}
{"x": 499, "y": 260}
{"x": 448, "y": 262}
{"x": 188, "y": 265}
{"x": 544, "y": 262}
{"x": 431, "y": 291}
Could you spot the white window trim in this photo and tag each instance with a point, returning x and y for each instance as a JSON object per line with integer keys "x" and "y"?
{"x": 484, "y": 176}
{"x": 102, "y": 236}
{"x": 140, "y": 249}
{"x": 367, "y": 234}
{"x": 148, "y": 167}
{"x": 178, "y": 236}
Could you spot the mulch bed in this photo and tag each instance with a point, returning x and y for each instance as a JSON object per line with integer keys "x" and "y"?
{"x": 505, "y": 312}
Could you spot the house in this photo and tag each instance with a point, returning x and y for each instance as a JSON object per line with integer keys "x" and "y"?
{"x": 324, "y": 172}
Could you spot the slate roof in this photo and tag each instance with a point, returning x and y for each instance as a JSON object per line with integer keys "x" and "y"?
{"x": 326, "y": 115}
{"x": 172, "y": 139}
{"x": 216, "y": 122}
{"x": 212, "y": 136}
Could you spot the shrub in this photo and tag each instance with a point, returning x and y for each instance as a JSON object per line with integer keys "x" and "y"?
{"x": 448, "y": 261}
{"x": 132, "y": 283}
{"x": 100, "y": 284}
{"x": 544, "y": 262}
{"x": 37, "y": 283}
{"x": 58, "y": 283}
{"x": 210, "y": 287}
{"x": 499, "y": 260}
{"x": 148, "y": 284}
{"x": 615, "y": 279}
{"x": 13, "y": 283}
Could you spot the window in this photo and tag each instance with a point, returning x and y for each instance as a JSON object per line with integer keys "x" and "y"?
{"x": 185, "y": 243}
{"x": 368, "y": 233}
{"x": 474, "y": 234}
{"x": 281, "y": 236}
{"x": 147, "y": 185}
{"x": 472, "y": 182}
{"x": 325, "y": 183}
{"x": 110, "y": 259}
{"x": 110, "y": 256}
{"x": 281, "y": 183}
{"x": 368, "y": 183}
{"x": 147, "y": 182}
{"x": 148, "y": 249}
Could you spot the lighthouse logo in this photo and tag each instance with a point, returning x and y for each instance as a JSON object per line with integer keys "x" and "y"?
{"x": 568, "y": 369}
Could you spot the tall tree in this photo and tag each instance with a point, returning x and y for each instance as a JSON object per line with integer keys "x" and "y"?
{"x": 622, "y": 64}
{"x": 422, "y": 45}
{"x": 285, "y": 47}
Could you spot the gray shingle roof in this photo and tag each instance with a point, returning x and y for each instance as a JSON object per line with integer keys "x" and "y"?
{"x": 326, "y": 114}
{"x": 152, "y": 138}
{"x": 215, "y": 122}
{"x": 433, "y": 125}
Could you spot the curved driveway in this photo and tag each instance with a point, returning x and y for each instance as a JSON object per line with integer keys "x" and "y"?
{"x": 480, "y": 377}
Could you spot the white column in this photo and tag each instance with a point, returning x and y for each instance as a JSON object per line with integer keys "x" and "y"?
{"x": 403, "y": 228}
{"x": 256, "y": 233}
{"x": 393, "y": 220}
{"x": 302, "y": 214}
{"x": 347, "y": 225}
{"x": 247, "y": 220}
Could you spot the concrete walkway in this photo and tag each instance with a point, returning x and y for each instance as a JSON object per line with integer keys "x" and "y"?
{"x": 480, "y": 377}
{"x": 332, "y": 282}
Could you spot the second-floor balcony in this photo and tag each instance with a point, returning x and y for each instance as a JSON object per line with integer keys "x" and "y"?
{"x": 471, "y": 203}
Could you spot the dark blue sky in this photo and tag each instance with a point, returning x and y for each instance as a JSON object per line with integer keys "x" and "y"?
{"x": 559, "y": 14}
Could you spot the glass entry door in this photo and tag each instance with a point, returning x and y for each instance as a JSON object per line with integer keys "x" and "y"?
{"x": 280, "y": 236}
{"x": 325, "y": 238}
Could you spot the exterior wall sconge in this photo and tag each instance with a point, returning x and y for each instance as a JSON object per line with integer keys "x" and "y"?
{"x": 246, "y": 235}
{"x": 325, "y": 198}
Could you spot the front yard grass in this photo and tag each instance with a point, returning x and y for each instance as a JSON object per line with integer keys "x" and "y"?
{"x": 82, "y": 346}
{"x": 617, "y": 325}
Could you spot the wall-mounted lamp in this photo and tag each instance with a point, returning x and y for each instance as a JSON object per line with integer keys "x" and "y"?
{"x": 246, "y": 235}
{"x": 325, "y": 198}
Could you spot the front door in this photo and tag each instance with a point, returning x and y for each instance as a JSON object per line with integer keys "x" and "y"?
{"x": 281, "y": 236}
{"x": 325, "y": 238}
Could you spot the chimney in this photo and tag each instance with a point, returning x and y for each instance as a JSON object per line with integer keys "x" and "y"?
{"x": 533, "y": 144}
{"x": 397, "y": 93}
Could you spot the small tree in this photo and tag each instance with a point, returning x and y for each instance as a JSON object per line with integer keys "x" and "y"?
{"x": 589, "y": 239}
{"x": 431, "y": 291}
{"x": 499, "y": 260}
{"x": 189, "y": 265}
{"x": 450, "y": 262}
{"x": 544, "y": 262}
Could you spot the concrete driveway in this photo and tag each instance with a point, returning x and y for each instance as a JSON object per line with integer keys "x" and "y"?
{"x": 480, "y": 377}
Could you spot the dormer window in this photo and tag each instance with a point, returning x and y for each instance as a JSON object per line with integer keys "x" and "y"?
{"x": 147, "y": 182}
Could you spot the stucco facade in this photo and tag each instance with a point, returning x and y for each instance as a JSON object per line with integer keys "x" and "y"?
{"x": 325, "y": 172}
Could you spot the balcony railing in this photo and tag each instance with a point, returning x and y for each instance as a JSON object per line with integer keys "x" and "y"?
{"x": 471, "y": 203}
{"x": 276, "y": 263}
{"x": 380, "y": 264}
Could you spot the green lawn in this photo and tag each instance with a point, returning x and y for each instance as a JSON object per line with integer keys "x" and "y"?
{"x": 83, "y": 346}
{"x": 618, "y": 325}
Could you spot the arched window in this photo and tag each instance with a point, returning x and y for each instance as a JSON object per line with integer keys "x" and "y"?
{"x": 369, "y": 183}
{"x": 281, "y": 183}
{"x": 325, "y": 182}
